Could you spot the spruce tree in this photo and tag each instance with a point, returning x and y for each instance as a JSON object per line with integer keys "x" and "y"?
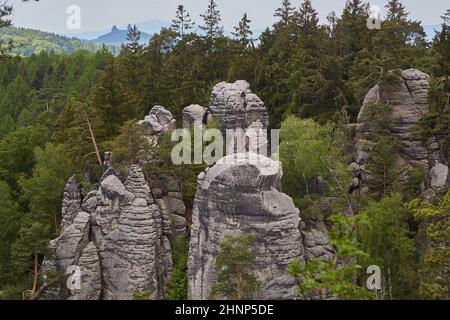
{"x": 243, "y": 32}
{"x": 183, "y": 22}
{"x": 284, "y": 14}
{"x": 212, "y": 20}
{"x": 131, "y": 72}
{"x": 306, "y": 18}
{"x": 441, "y": 44}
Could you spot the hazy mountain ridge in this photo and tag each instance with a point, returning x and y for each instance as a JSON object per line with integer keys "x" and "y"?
{"x": 30, "y": 41}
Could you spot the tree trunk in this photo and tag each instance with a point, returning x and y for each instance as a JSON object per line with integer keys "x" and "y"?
{"x": 94, "y": 141}
{"x": 35, "y": 282}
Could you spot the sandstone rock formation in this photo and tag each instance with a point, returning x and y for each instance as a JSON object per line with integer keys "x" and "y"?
{"x": 193, "y": 115}
{"x": 240, "y": 194}
{"x": 120, "y": 244}
{"x": 159, "y": 120}
{"x": 408, "y": 99}
{"x": 119, "y": 236}
{"x": 235, "y": 106}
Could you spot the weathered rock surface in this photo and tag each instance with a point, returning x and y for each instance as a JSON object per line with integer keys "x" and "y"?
{"x": 439, "y": 176}
{"x": 235, "y": 106}
{"x": 121, "y": 244}
{"x": 408, "y": 100}
{"x": 193, "y": 115}
{"x": 159, "y": 120}
{"x": 240, "y": 195}
{"x": 71, "y": 202}
{"x": 90, "y": 275}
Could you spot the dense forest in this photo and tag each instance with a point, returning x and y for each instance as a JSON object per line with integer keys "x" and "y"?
{"x": 300, "y": 68}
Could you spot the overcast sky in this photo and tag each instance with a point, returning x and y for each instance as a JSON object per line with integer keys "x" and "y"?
{"x": 50, "y": 15}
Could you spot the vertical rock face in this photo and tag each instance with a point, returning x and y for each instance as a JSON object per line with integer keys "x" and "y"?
{"x": 120, "y": 244}
{"x": 133, "y": 244}
{"x": 90, "y": 275}
{"x": 235, "y": 106}
{"x": 71, "y": 202}
{"x": 240, "y": 195}
{"x": 408, "y": 100}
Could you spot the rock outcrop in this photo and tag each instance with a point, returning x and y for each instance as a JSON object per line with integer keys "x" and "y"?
{"x": 71, "y": 202}
{"x": 121, "y": 242}
{"x": 408, "y": 100}
{"x": 240, "y": 194}
{"x": 193, "y": 115}
{"x": 159, "y": 120}
{"x": 235, "y": 106}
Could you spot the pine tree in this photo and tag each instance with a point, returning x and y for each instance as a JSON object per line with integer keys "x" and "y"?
{"x": 284, "y": 13}
{"x": 441, "y": 45}
{"x": 29, "y": 248}
{"x": 110, "y": 100}
{"x": 243, "y": 32}
{"x": 131, "y": 72}
{"x": 384, "y": 233}
{"x": 235, "y": 269}
{"x": 212, "y": 20}
{"x": 183, "y": 22}
{"x": 306, "y": 18}
{"x": 383, "y": 170}
{"x": 435, "y": 259}
{"x": 133, "y": 46}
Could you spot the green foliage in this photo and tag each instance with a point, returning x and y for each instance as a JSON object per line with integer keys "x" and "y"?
{"x": 32, "y": 239}
{"x": 384, "y": 234}
{"x": 436, "y": 124}
{"x": 28, "y": 42}
{"x": 299, "y": 67}
{"x": 336, "y": 275}
{"x": 10, "y": 216}
{"x": 44, "y": 190}
{"x": 178, "y": 279}
{"x": 309, "y": 150}
{"x": 131, "y": 146}
{"x": 383, "y": 168}
{"x": 235, "y": 266}
{"x": 435, "y": 259}
{"x": 17, "y": 152}
{"x": 142, "y": 294}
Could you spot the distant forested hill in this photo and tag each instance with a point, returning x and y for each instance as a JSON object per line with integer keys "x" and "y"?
{"x": 29, "y": 41}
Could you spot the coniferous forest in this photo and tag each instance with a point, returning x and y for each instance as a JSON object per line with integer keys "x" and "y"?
{"x": 59, "y": 114}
